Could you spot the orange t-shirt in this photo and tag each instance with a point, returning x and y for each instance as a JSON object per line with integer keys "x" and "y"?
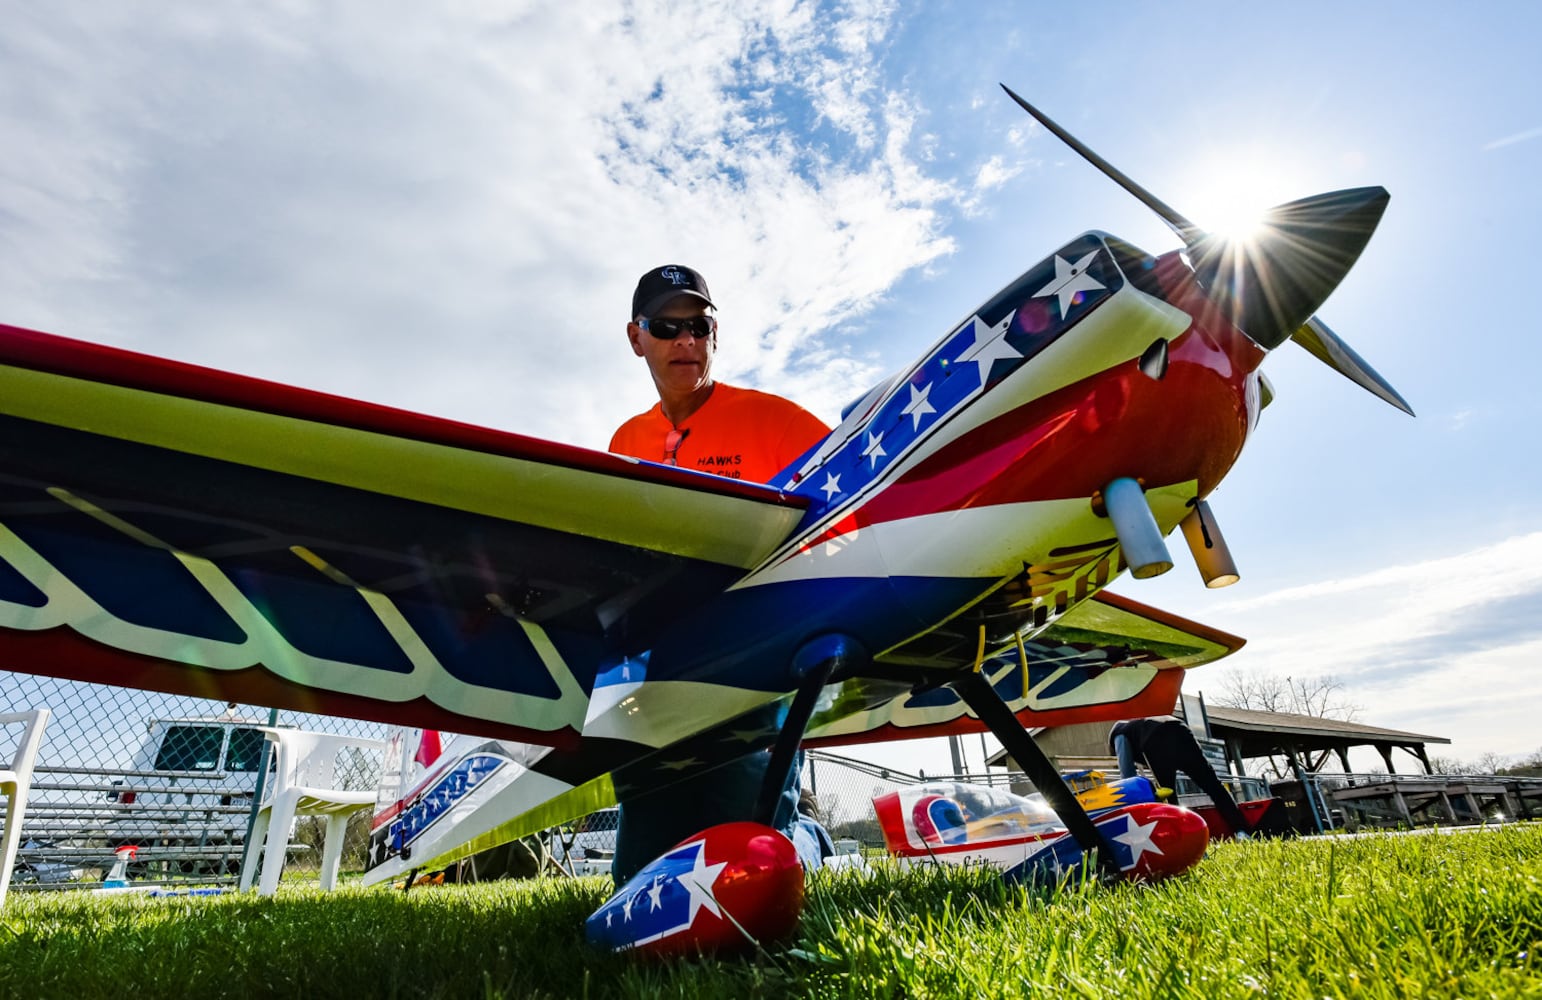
{"x": 738, "y": 433}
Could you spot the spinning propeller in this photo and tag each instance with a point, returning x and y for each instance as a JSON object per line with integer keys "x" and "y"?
{"x": 1271, "y": 283}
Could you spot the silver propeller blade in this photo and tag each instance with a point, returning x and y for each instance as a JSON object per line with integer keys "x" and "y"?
{"x": 1326, "y": 346}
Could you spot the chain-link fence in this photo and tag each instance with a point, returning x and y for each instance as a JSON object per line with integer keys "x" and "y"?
{"x": 175, "y": 778}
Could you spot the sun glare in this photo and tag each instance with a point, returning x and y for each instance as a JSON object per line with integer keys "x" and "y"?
{"x": 1235, "y": 218}
{"x": 1234, "y": 193}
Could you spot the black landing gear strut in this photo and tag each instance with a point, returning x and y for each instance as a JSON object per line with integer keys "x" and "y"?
{"x": 834, "y": 658}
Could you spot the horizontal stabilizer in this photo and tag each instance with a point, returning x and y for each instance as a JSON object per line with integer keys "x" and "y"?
{"x": 1109, "y": 658}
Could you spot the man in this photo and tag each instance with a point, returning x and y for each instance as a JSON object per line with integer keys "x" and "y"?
{"x": 1167, "y": 746}
{"x": 701, "y": 424}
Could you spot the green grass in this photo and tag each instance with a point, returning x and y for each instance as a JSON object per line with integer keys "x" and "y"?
{"x": 1438, "y": 916}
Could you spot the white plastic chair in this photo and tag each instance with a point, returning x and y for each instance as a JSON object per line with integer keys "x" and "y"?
{"x": 15, "y": 782}
{"x": 303, "y": 785}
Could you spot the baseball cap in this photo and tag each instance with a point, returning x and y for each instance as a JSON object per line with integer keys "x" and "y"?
{"x": 661, "y": 284}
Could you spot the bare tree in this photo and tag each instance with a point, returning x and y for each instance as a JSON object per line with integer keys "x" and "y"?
{"x": 1490, "y": 762}
{"x": 1448, "y": 765}
{"x": 1487, "y": 762}
{"x": 1262, "y": 691}
{"x": 1530, "y": 765}
{"x": 1321, "y": 695}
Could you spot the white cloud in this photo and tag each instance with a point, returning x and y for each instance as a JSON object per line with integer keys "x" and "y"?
{"x": 993, "y": 173}
{"x": 1510, "y": 140}
{"x": 1482, "y": 701}
{"x": 1495, "y": 570}
{"x": 1447, "y": 647}
{"x": 447, "y": 210}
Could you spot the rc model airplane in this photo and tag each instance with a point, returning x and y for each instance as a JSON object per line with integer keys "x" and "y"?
{"x": 935, "y": 566}
{"x": 956, "y": 823}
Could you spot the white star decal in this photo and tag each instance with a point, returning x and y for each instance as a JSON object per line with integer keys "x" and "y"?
{"x": 1138, "y": 839}
{"x": 832, "y": 487}
{"x": 874, "y": 450}
{"x": 1069, "y": 280}
{"x": 1054, "y": 860}
{"x": 918, "y": 406}
{"x": 656, "y": 892}
{"x": 988, "y": 348}
{"x": 698, "y": 885}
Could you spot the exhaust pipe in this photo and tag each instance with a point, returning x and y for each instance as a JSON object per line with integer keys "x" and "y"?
{"x": 1211, "y": 554}
{"x": 1140, "y": 538}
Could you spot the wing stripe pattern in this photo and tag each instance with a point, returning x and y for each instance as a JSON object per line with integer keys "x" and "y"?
{"x": 320, "y": 554}
{"x": 710, "y": 526}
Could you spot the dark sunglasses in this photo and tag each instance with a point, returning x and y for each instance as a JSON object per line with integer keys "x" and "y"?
{"x": 699, "y": 327}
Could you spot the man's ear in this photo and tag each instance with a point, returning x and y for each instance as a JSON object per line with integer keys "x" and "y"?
{"x": 633, "y": 331}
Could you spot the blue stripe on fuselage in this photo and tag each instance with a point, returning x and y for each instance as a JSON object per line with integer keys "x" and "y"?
{"x": 746, "y": 638}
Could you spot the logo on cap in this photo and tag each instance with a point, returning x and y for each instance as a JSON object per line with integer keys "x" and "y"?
{"x": 662, "y": 284}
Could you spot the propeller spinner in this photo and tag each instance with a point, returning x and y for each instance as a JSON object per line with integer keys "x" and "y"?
{"x": 1272, "y": 283}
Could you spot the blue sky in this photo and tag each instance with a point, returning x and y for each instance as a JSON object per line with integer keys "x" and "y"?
{"x": 446, "y": 210}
